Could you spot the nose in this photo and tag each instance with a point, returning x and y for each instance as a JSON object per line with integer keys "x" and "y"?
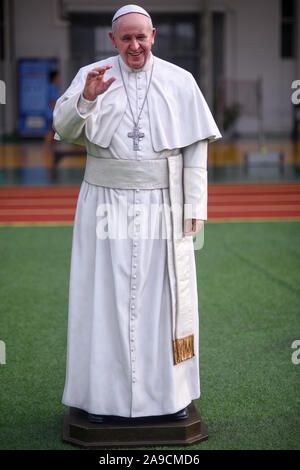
{"x": 134, "y": 45}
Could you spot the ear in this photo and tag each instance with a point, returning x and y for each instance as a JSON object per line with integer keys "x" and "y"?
{"x": 153, "y": 35}
{"x": 112, "y": 39}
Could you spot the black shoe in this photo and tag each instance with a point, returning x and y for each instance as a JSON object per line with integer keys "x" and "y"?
{"x": 182, "y": 414}
{"x": 95, "y": 418}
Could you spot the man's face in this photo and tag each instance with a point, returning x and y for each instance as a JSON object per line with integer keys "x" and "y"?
{"x": 133, "y": 38}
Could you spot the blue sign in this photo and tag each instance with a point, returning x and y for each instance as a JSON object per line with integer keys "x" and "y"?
{"x": 35, "y": 93}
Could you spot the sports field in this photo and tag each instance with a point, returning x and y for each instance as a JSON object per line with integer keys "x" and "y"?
{"x": 248, "y": 276}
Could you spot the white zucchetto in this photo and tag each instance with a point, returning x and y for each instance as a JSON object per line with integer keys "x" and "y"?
{"x": 129, "y": 9}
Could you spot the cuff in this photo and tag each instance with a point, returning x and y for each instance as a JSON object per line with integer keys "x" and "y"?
{"x": 85, "y": 107}
{"x": 195, "y": 193}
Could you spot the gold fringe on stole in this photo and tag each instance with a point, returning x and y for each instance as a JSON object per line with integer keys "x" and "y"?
{"x": 183, "y": 348}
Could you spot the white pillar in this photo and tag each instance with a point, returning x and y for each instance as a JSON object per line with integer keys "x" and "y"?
{"x": 206, "y": 52}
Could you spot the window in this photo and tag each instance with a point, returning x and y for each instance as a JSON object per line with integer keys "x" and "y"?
{"x": 177, "y": 40}
{"x": 288, "y": 29}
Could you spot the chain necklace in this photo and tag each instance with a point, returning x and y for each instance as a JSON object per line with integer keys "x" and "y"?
{"x": 135, "y": 135}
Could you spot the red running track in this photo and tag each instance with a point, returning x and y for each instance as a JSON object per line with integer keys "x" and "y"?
{"x": 226, "y": 201}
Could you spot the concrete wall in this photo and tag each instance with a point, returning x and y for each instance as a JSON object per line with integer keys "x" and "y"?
{"x": 38, "y": 32}
{"x": 253, "y": 49}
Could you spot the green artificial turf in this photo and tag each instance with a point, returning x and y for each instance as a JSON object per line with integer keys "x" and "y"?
{"x": 249, "y": 305}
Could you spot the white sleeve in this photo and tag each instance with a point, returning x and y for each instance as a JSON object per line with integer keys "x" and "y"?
{"x": 195, "y": 180}
{"x": 85, "y": 107}
{"x": 71, "y": 112}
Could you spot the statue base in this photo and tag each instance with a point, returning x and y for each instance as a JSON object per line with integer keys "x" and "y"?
{"x": 148, "y": 431}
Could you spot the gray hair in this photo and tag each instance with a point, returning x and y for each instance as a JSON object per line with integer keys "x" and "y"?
{"x": 114, "y": 24}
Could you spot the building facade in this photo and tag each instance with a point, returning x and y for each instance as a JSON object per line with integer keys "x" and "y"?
{"x": 242, "y": 52}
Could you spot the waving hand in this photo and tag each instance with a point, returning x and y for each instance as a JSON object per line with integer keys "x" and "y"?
{"x": 95, "y": 84}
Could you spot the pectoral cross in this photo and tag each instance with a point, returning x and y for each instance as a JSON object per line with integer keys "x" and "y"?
{"x": 136, "y": 135}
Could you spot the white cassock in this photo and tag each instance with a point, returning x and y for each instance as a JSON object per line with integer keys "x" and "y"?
{"x": 120, "y": 353}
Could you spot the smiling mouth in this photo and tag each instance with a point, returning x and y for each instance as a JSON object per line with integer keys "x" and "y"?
{"x": 135, "y": 54}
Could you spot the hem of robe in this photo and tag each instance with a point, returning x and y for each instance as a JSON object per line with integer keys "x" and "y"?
{"x": 136, "y": 415}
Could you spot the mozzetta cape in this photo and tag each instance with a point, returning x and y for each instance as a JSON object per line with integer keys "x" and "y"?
{"x": 179, "y": 114}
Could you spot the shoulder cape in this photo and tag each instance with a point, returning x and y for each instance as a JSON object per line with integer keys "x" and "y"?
{"x": 179, "y": 114}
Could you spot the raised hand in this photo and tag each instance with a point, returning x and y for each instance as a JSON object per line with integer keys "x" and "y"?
{"x": 95, "y": 84}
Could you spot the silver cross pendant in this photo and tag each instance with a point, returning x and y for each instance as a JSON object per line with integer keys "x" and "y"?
{"x": 136, "y": 135}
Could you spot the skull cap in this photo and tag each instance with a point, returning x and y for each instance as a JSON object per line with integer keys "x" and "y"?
{"x": 129, "y": 9}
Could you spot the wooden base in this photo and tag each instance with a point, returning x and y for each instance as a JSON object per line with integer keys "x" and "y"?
{"x": 151, "y": 431}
